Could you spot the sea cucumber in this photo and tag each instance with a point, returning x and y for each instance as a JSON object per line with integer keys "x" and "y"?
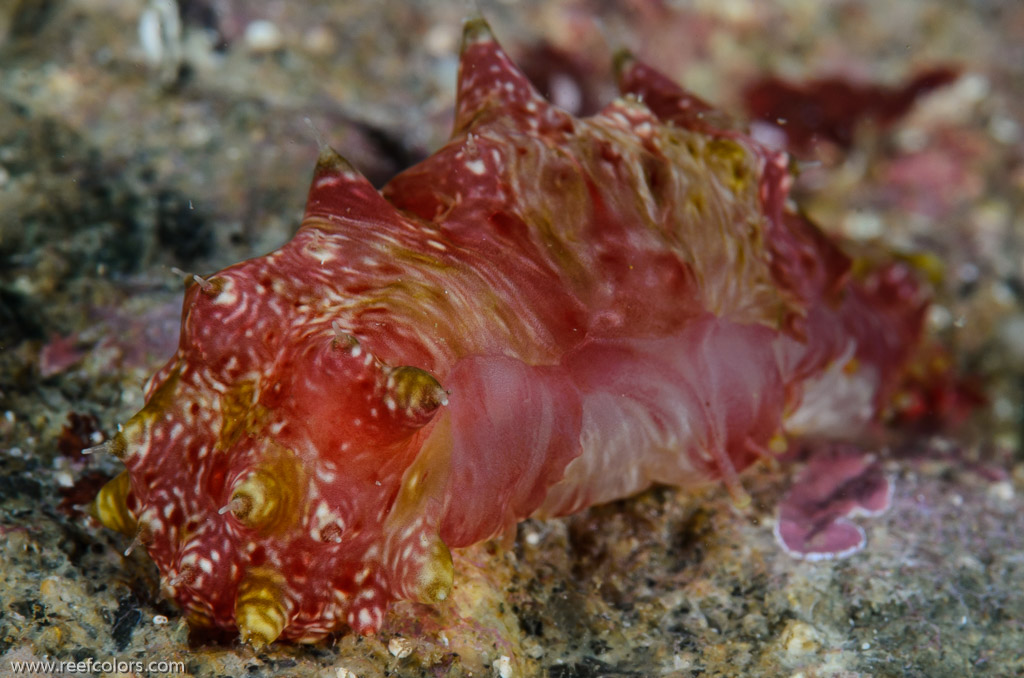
{"x": 548, "y": 313}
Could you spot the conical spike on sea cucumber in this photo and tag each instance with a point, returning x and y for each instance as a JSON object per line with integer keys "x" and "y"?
{"x": 668, "y": 101}
{"x": 489, "y": 79}
{"x": 474, "y": 30}
{"x": 330, "y": 162}
{"x": 338, "y": 190}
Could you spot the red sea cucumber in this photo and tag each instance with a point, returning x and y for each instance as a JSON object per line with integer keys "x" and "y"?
{"x": 547, "y": 313}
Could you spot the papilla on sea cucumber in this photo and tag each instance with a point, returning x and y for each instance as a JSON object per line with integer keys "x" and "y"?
{"x": 548, "y": 313}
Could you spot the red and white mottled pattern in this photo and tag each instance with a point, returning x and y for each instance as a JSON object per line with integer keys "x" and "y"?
{"x": 607, "y": 302}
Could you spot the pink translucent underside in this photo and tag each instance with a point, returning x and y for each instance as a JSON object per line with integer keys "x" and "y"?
{"x": 682, "y": 409}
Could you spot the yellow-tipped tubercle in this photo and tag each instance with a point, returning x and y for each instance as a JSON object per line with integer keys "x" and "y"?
{"x": 110, "y": 506}
{"x": 414, "y": 390}
{"x": 261, "y": 610}
{"x": 268, "y": 497}
{"x": 329, "y": 161}
{"x": 476, "y": 29}
{"x": 435, "y": 578}
{"x": 257, "y": 501}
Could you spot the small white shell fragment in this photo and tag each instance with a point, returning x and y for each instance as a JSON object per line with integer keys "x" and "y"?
{"x": 400, "y": 647}
{"x": 263, "y": 36}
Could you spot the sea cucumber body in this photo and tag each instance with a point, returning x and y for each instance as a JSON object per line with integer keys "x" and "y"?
{"x": 547, "y": 313}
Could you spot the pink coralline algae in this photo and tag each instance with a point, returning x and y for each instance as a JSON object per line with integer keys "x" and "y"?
{"x": 59, "y": 354}
{"x": 548, "y": 313}
{"x": 837, "y": 484}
